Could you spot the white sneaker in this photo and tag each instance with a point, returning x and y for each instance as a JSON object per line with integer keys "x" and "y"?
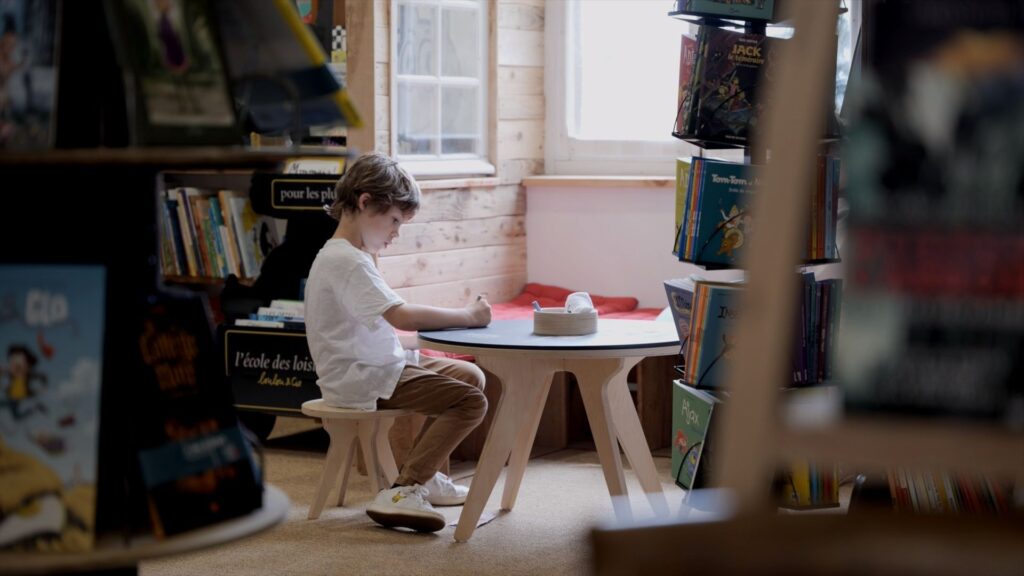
{"x": 405, "y": 507}
{"x": 441, "y": 491}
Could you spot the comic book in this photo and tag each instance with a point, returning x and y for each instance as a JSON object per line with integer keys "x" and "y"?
{"x": 51, "y": 336}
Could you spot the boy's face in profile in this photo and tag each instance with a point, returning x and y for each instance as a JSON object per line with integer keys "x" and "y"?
{"x": 379, "y": 229}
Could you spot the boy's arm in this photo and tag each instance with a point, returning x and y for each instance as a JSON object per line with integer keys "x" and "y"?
{"x": 414, "y": 317}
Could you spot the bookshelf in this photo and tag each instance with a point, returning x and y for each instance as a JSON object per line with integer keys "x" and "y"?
{"x": 92, "y": 199}
{"x": 732, "y": 69}
{"x": 753, "y": 438}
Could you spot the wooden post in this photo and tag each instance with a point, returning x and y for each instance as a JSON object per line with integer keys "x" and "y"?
{"x": 360, "y": 30}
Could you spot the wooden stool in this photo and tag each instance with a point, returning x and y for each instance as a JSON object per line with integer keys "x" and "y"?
{"x": 345, "y": 426}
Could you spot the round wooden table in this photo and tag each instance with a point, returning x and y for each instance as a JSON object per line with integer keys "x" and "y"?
{"x": 525, "y": 363}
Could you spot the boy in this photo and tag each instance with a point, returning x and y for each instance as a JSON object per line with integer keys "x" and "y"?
{"x": 351, "y": 316}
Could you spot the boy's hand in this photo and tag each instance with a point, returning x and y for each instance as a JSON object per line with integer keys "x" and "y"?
{"x": 479, "y": 312}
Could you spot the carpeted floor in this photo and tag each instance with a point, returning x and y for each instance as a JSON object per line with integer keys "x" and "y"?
{"x": 562, "y": 496}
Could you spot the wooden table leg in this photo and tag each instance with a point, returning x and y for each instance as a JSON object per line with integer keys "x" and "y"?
{"x": 539, "y": 371}
{"x": 613, "y": 417}
{"x": 594, "y": 377}
{"x": 631, "y": 437}
{"x": 516, "y": 402}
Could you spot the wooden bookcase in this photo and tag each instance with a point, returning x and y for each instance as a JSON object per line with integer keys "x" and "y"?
{"x": 749, "y": 536}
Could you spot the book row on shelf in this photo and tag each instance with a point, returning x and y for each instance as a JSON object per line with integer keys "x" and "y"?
{"x": 213, "y": 233}
{"x": 930, "y": 286}
{"x": 714, "y": 223}
{"x": 707, "y": 314}
{"x": 799, "y": 485}
{"x": 188, "y": 73}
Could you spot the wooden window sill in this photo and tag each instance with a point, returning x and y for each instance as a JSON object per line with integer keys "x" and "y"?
{"x": 473, "y": 182}
{"x": 600, "y": 181}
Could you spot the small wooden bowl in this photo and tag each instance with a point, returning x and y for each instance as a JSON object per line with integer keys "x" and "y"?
{"x": 557, "y": 322}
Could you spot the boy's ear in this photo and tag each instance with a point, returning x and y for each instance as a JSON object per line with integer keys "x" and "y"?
{"x": 363, "y": 201}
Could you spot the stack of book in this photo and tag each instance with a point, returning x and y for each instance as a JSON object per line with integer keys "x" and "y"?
{"x": 281, "y": 313}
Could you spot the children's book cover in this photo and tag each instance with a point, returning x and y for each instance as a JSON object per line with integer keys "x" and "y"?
{"x": 691, "y": 418}
{"x": 687, "y": 59}
{"x": 723, "y": 220}
{"x": 197, "y": 469}
{"x": 735, "y": 70}
{"x": 717, "y": 333}
{"x": 680, "y": 300}
{"x": 28, "y": 72}
{"x": 51, "y": 336}
{"x": 170, "y": 54}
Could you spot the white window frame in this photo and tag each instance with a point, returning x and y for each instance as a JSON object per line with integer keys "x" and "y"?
{"x": 565, "y": 154}
{"x": 445, "y": 165}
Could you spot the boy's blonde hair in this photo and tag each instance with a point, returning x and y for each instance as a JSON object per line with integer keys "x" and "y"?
{"x": 387, "y": 183}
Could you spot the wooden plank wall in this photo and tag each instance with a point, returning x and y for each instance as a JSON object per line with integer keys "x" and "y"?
{"x": 470, "y": 238}
{"x": 470, "y": 235}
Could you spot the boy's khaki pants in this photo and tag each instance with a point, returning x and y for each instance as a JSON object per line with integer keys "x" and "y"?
{"x": 449, "y": 390}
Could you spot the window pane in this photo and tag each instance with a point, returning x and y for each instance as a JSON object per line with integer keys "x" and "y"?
{"x": 417, "y": 46}
{"x": 417, "y": 118}
{"x": 460, "y": 127}
{"x": 460, "y": 36}
{"x": 628, "y": 70}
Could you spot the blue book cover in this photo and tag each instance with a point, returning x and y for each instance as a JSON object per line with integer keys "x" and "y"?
{"x": 718, "y": 331}
{"x": 680, "y": 300}
{"x": 51, "y": 333}
{"x": 723, "y": 221}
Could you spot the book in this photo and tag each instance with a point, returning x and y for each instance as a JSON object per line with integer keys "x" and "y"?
{"x": 29, "y": 54}
{"x": 809, "y": 484}
{"x": 712, "y": 341}
{"x": 680, "y": 301}
{"x": 687, "y": 58}
{"x": 721, "y": 222}
{"x": 51, "y": 337}
{"x": 682, "y": 186}
{"x": 175, "y": 74}
{"x": 280, "y": 70}
{"x": 196, "y": 467}
{"x": 691, "y": 420}
{"x": 728, "y": 82}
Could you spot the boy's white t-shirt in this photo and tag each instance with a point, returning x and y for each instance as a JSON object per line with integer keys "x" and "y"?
{"x": 357, "y": 353}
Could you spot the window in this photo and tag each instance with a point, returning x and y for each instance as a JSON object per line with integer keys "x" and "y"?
{"x": 612, "y": 87}
{"x": 612, "y": 83}
{"x": 439, "y": 86}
